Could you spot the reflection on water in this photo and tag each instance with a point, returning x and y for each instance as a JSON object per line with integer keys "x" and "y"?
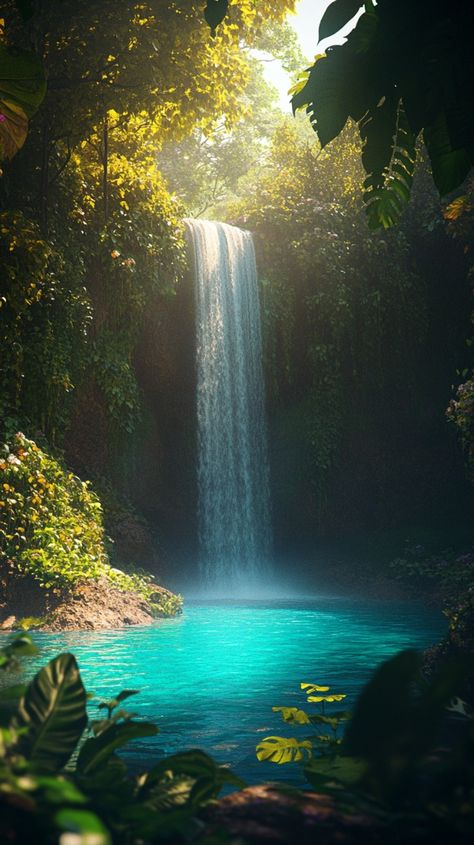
{"x": 209, "y": 678}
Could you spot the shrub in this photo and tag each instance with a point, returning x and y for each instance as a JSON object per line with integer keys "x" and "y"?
{"x": 51, "y": 524}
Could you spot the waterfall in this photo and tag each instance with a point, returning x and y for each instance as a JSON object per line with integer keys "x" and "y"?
{"x": 233, "y": 476}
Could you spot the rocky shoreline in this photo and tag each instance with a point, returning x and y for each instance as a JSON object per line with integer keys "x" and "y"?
{"x": 90, "y": 606}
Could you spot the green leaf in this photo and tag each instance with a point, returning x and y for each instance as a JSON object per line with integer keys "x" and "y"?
{"x": 389, "y": 157}
{"x": 53, "y": 710}
{"x": 207, "y": 777}
{"x": 22, "y": 79}
{"x": 85, "y": 825}
{"x": 215, "y": 13}
{"x": 22, "y": 88}
{"x": 383, "y": 711}
{"x": 279, "y": 749}
{"x": 339, "y": 86}
{"x": 126, "y": 693}
{"x": 336, "y": 16}
{"x": 321, "y": 772}
{"x": 292, "y": 715}
{"x": 97, "y": 750}
{"x": 21, "y": 646}
{"x": 450, "y": 165}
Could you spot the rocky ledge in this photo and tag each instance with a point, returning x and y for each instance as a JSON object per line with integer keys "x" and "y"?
{"x": 90, "y": 606}
{"x": 279, "y": 815}
{"x": 267, "y": 815}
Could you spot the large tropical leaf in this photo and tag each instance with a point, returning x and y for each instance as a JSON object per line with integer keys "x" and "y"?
{"x": 383, "y": 715}
{"x": 82, "y": 827}
{"x": 324, "y": 96}
{"x": 206, "y": 777}
{"x": 340, "y": 85}
{"x": 53, "y": 710}
{"x": 97, "y": 750}
{"x": 280, "y": 749}
{"x": 22, "y": 89}
{"x": 337, "y": 15}
{"x": 450, "y": 164}
{"x": 215, "y": 13}
{"x": 22, "y": 78}
{"x": 13, "y": 129}
{"x": 325, "y": 772}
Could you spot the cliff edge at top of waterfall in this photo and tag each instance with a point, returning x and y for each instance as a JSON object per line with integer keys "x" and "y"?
{"x": 90, "y": 605}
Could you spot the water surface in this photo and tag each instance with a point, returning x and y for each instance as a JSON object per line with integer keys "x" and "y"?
{"x": 209, "y": 678}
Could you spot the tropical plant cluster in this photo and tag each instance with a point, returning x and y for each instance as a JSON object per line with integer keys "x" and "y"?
{"x": 406, "y": 752}
{"x": 354, "y": 327}
{"x": 51, "y": 527}
{"x": 91, "y": 237}
{"x": 61, "y": 773}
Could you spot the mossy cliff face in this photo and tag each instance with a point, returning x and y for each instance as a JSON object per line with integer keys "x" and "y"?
{"x": 146, "y": 477}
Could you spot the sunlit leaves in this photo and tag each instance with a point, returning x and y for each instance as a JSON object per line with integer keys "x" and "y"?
{"x": 309, "y": 689}
{"x": 279, "y": 749}
{"x": 292, "y": 715}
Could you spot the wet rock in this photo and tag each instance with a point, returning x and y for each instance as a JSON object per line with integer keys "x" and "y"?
{"x": 8, "y": 623}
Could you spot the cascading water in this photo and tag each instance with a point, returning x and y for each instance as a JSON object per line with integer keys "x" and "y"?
{"x": 233, "y": 476}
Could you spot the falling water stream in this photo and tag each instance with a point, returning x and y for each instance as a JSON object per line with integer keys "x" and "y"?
{"x": 233, "y": 477}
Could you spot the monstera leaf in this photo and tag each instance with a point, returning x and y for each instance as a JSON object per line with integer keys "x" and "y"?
{"x": 281, "y": 749}
{"x": 22, "y": 89}
{"x": 292, "y": 715}
{"x": 53, "y": 710}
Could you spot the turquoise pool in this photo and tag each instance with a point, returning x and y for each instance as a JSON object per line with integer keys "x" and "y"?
{"x": 209, "y": 678}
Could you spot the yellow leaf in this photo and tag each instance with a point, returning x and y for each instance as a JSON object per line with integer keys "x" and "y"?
{"x": 310, "y": 688}
{"x": 13, "y": 128}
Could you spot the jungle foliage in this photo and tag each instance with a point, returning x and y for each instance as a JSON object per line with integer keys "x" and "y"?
{"x": 61, "y": 774}
{"x": 51, "y": 527}
{"x": 89, "y": 231}
{"x": 90, "y": 235}
{"x": 406, "y": 751}
{"x": 362, "y": 337}
{"x": 405, "y": 69}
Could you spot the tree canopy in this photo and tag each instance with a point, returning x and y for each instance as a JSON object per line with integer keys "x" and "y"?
{"x": 406, "y": 70}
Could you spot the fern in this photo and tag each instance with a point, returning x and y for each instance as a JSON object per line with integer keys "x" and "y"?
{"x": 389, "y": 157}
